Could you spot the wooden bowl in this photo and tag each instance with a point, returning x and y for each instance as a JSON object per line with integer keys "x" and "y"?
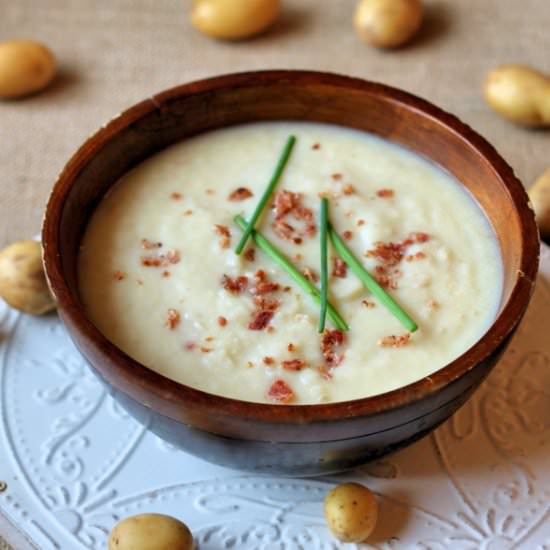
{"x": 288, "y": 439}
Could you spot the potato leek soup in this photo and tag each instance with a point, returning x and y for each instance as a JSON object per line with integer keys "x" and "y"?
{"x": 160, "y": 277}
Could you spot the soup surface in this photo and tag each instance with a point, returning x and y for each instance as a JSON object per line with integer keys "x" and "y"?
{"x": 160, "y": 278}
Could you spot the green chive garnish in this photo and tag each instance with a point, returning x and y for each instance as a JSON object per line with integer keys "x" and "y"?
{"x": 324, "y": 274}
{"x": 267, "y": 193}
{"x": 364, "y": 276}
{"x": 272, "y": 251}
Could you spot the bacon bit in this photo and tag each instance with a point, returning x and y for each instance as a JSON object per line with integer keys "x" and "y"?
{"x": 222, "y": 230}
{"x": 173, "y": 318}
{"x": 175, "y": 196}
{"x": 285, "y": 202}
{"x": 280, "y": 391}
{"x": 413, "y": 257}
{"x": 188, "y": 212}
{"x": 385, "y": 193}
{"x": 166, "y": 274}
{"x": 310, "y": 275}
{"x": 240, "y": 194}
{"x": 325, "y": 372}
{"x": 148, "y": 245}
{"x": 386, "y": 282}
{"x": 263, "y": 284}
{"x": 283, "y": 230}
{"x": 268, "y": 360}
{"x": 225, "y": 234}
{"x": 360, "y": 223}
{"x": 260, "y": 320}
{"x": 395, "y": 341}
{"x": 303, "y": 213}
{"x": 368, "y": 305}
{"x": 266, "y": 304}
{"x": 190, "y": 346}
{"x": 348, "y": 235}
{"x": 173, "y": 256}
{"x": 316, "y": 146}
{"x": 265, "y": 287}
{"x": 210, "y": 192}
{"x": 206, "y": 350}
{"x": 250, "y": 254}
{"x": 119, "y": 275}
{"x": 236, "y": 285}
{"x": 293, "y": 364}
{"x": 336, "y": 177}
{"x": 419, "y": 237}
{"x": 151, "y": 261}
{"x": 339, "y": 267}
{"x": 330, "y": 340}
{"x": 222, "y": 321}
{"x": 348, "y": 189}
{"x": 390, "y": 254}
{"x": 291, "y": 347}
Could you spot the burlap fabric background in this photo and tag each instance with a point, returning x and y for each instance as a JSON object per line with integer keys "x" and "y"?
{"x": 114, "y": 53}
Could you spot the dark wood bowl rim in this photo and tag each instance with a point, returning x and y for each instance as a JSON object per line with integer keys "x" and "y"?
{"x": 179, "y": 395}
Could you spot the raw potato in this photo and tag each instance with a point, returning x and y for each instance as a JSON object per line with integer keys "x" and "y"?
{"x": 539, "y": 193}
{"x": 25, "y": 67}
{"x": 22, "y": 281}
{"x": 351, "y": 512}
{"x": 387, "y": 23}
{"x": 520, "y": 94}
{"x": 233, "y": 20}
{"x": 150, "y": 532}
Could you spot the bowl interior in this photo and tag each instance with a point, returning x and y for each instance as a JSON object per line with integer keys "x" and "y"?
{"x": 397, "y": 116}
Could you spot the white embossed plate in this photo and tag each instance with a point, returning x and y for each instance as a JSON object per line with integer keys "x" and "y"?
{"x": 74, "y": 462}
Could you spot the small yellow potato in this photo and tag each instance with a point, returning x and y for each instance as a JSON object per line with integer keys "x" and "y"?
{"x": 150, "y": 532}
{"x": 520, "y": 94}
{"x": 539, "y": 193}
{"x": 22, "y": 281}
{"x": 25, "y": 68}
{"x": 351, "y": 512}
{"x": 387, "y": 23}
{"x": 233, "y": 20}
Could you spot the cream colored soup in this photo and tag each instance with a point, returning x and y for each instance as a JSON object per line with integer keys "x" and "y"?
{"x": 159, "y": 276}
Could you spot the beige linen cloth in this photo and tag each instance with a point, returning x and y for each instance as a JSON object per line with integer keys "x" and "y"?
{"x": 114, "y": 53}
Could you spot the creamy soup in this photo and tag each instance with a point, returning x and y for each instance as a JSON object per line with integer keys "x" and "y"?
{"x": 160, "y": 278}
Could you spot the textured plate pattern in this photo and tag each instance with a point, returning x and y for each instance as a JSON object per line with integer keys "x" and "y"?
{"x": 74, "y": 462}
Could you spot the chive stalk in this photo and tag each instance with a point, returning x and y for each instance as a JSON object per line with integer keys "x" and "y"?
{"x": 283, "y": 159}
{"x": 369, "y": 282}
{"x": 324, "y": 270}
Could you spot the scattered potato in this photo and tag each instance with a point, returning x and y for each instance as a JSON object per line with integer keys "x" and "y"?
{"x": 351, "y": 512}
{"x": 539, "y": 193}
{"x": 520, "y": 94}
{"x": 150, "y": 532}
{"x": 387, "y": 23}
{"x": 25, "y": 67}
{"x": 22, "y": 281}
{"x": 230, "y": 20}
